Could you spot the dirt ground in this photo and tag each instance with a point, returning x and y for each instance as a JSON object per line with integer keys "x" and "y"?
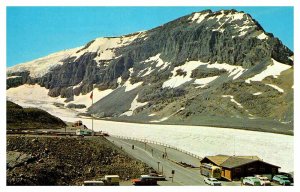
{"x": 40, "y": 160}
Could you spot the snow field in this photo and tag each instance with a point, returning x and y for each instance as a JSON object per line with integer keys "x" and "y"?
{"x": 203, "y": 141}
{"x": 41, "y": 66}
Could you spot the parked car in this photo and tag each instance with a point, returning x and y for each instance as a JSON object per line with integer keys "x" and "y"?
{"x": 93, "y": 183}
{"x": 288, "y": 175}
{"x": 253, "y": 181}
{"x": 145, "y": 180}
{"x": 212, "y": 181}
{"x": 281, "y": 179}
{"x": 264, "y": 181}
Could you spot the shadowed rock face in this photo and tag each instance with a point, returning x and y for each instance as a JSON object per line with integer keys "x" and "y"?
{"x": 230, "y": 37}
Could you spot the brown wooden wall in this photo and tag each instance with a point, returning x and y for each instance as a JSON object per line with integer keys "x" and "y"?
{"x": 251, "y": 169}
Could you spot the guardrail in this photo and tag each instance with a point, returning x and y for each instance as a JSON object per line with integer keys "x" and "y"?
{"x": 158, "y": 143}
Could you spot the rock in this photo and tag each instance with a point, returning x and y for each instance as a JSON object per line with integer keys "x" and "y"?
{"x": 15, "y": 158}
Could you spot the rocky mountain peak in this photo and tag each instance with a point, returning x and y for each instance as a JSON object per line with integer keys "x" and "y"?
{"x": 238, "y": 24}
{"x": 219, "y": 63}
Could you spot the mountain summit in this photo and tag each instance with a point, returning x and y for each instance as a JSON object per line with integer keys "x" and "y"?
{"x": 207, "y": 68}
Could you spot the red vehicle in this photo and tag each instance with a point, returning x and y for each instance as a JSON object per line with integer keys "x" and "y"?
{"x": 145, "y": 180}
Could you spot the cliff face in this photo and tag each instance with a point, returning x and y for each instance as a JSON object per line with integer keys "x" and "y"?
{"x": 169, "y": 63}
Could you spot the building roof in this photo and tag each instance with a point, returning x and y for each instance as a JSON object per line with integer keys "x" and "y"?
{"x": 233, "y": 161}
{"x": 218, "y": 159}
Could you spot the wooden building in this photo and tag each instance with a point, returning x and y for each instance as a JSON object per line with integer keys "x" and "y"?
{"x": 235, "y": 167}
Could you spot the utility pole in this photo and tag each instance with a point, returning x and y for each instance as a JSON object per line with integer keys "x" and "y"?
{"x": 92, "y": 97}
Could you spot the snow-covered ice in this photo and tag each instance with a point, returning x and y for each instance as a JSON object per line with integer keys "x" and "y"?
{"x": 41, "y": 66}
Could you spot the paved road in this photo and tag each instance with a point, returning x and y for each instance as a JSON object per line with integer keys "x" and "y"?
{"x": 182, "y": 176}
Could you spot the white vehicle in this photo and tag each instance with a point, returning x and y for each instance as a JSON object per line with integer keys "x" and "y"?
{"x": 112, "y": 180}
{"x": 264, "y": 181}
{"x": 93, "y": 183}
{"x": 212, "y": 181}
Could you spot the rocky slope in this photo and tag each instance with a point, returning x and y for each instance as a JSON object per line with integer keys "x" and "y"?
{"x": 30, "y": 118}
{"x": 66, "y": 161}
{"x": 207, "y": 68}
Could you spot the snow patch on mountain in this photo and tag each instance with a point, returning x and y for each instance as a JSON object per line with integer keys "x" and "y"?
{"x": 276, "y": 87}
{"x": 159, "y": 62}
{"x": 130, "y": 86}
{"x": 235, "y": 71}
{"x": 31, "y": 93}
{"x": 177, "y": 80}
{"x": 87, "y": 101}
{"x": 233, "y": 100}
{"x": 105, "y": 46}
{"x": 148, "y": 72}
{"x": 41, "y": 66}
{"x": 272, "y": 70}
{"x": 13, "y": 77}
{"x": 134, "y": 105}
{"x": 166, "y": 118}
{"x": 198, "y": 17}
{"x": 78, "y": 85}
{"x": 204, "y": 81}
{"x": 257, "y": 93}
{"x": 40, "y": 94}
{"x": 262, "y": 36}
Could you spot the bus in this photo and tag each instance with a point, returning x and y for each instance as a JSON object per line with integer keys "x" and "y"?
{"x": 210, "y": 170}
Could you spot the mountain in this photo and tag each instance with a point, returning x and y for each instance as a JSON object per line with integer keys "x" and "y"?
{"x": 207, "y": 68}
{"x": 30, "y": 118}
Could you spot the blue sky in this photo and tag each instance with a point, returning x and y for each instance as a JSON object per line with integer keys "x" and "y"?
{"x": 33, "y": 32}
